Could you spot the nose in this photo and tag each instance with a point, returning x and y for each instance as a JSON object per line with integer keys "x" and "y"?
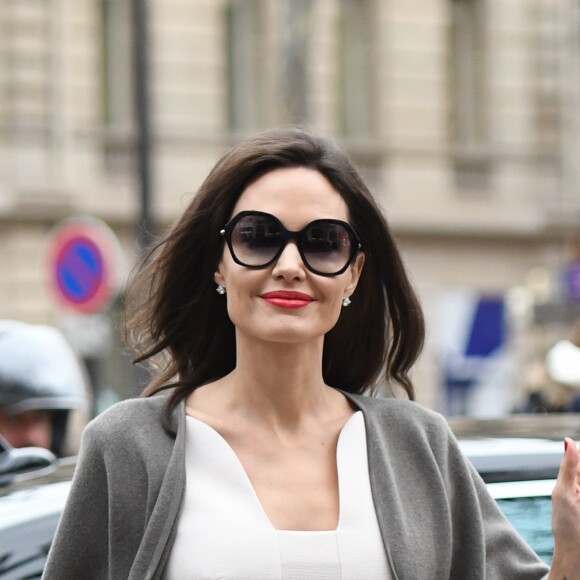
{"x": 289, "y": 264}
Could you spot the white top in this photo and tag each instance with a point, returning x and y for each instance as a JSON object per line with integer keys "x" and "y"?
{"x": 224, "y": 533}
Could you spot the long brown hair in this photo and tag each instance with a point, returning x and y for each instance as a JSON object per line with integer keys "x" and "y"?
{"x": 177, "y": 322}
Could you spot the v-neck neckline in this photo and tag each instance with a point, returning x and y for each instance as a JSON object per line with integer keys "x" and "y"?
{"x": 239, "y": 468}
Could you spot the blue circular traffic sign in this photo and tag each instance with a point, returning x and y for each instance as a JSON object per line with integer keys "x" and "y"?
{"x": 82, "y": 263}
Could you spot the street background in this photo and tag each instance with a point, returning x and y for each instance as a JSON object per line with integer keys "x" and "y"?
{"x": 463, "y": 115}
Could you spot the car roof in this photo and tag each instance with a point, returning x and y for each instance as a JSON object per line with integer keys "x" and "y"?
{"x": 503, "y": 459}
{"x": 540, "y": 488}
{"x": 554, "y": 426}
{"x": 518, "y": 447}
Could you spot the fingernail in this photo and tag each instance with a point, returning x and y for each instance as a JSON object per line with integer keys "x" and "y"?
{"x": 565, "y": 445}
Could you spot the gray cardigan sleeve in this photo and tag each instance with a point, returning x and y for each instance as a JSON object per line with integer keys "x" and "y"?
{"x": 82, "y": 535}
{"x": 124, "y": 498}
{"x": 437, "y": 518}
{"x": 506, "y": 554}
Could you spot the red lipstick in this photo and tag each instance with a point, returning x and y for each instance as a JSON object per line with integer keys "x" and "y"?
{"x": 287, "y": 299}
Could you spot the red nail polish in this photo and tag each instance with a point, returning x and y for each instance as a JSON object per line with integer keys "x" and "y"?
{"x": 565, "y": 445}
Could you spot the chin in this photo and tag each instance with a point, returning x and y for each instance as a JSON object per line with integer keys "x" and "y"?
{"x": 289, "y": 333}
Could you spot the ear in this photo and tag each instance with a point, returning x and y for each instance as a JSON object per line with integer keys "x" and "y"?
{"x": 218, "y": 276}
{"x": 355, "y": 270}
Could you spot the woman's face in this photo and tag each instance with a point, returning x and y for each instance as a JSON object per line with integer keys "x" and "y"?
{"x": 296, "y": 196}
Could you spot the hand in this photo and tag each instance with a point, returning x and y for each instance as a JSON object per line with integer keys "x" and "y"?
{"x": 566, "y": 517}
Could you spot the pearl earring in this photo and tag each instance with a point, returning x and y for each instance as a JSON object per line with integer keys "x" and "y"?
{"x": 220, "y": 289}
{"x": 346, "y": 301}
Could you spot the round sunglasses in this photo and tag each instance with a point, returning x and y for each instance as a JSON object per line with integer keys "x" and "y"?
{"x": 256, "y": 239}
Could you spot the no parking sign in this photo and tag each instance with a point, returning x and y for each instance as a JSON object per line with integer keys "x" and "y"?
{"x": 82, "y": 262}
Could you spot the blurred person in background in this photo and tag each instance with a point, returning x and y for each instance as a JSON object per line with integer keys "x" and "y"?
{"x": 43, "y": 389}
{"x": 272, "y": 310}
{"x": 536, "y": 383}
{"x": 563, "y": 368}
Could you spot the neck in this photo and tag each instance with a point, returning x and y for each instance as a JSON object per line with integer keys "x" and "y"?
{"x": 279, "y": 383}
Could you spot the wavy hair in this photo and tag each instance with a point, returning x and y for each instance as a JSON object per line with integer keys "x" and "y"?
{"x": 178, "y": 325}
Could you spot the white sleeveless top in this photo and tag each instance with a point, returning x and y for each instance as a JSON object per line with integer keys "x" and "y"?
{"x": 224, "y": 533}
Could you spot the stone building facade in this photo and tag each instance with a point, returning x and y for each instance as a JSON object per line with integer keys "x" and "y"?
{"x": 463, "y": 115}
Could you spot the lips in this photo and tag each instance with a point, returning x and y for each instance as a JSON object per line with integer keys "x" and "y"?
{"x": 287, "y": 299}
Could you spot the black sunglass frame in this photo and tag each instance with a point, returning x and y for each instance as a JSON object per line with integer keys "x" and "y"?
{"x": 287, "y": 235}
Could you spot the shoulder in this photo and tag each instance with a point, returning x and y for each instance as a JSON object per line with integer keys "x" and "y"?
{"x": 401, "y": 423}
{"x": 399, "y": 412}
{"x": 411, "y": 440}
{"x": 135, "y": 408}
{"x": 129, "y": 419}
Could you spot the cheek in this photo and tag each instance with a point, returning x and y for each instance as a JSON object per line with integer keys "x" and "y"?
{"x": 335, "y": 312}
{"x": 335, "y": 290}
{"x": 331, "y": 306}
{"x": 240, "y": 298}
{"x": 235, "y": 308}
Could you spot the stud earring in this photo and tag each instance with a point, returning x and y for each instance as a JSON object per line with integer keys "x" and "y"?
{"x": 346, "y": 301}
{"x": 220, "y": 289}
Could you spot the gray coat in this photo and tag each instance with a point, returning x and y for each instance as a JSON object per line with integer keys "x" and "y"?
{"x": 436, "y": 517}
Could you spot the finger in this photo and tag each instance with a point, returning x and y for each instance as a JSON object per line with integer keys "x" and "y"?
{"x": 576, "y": 458}
{"x": 570, "y": 463}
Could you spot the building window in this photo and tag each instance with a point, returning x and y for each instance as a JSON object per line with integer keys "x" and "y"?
{"x": 469, "y": 73}
{"x": 243, "y": 60}
{"x": 117, "y": 81}
{"x": 469, "y": 79}
{"x": 357, "y": 91}
{"x": 28, "y": 59}
{"x": 267, "y": 63}
{"x": 295, "y": 86}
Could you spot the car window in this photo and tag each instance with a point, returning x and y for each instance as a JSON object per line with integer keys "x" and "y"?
{"x": 528, "y": 506}
{"x": 532, "y": 518}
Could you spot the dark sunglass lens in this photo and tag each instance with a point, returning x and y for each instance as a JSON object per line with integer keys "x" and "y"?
{"x": 327, "y": 247}
{"x": 256, "y": 239}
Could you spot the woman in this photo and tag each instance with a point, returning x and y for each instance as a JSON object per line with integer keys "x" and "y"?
{"x": 264, "y": 459}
